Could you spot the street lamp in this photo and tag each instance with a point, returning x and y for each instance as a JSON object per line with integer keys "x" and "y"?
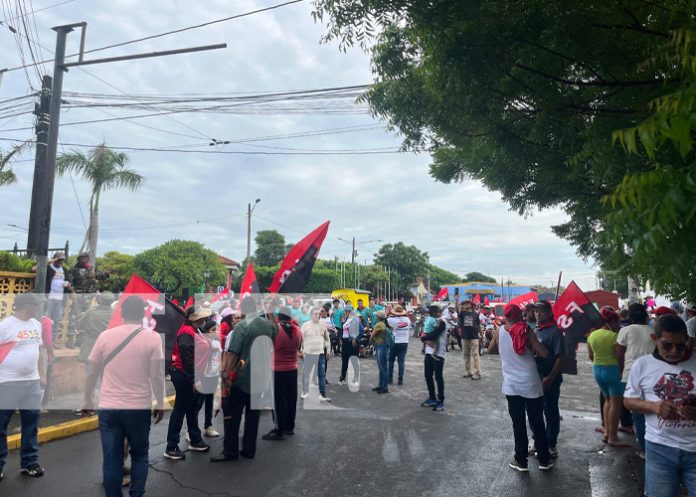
{"x": 206, "y": 275}
{"x": 250, "y": 209}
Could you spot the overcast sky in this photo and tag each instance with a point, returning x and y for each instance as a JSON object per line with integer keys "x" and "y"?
{"x": 388, "y": 197}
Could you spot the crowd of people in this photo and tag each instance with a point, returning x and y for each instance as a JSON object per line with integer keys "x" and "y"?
{"x": 224, "y": 361}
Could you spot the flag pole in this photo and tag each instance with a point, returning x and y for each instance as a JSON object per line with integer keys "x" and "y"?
{"x": 558, "y": 286}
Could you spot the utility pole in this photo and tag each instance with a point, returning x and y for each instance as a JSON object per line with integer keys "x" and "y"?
{"x": 45, "y": 203}
{"x": 42, "y": 124}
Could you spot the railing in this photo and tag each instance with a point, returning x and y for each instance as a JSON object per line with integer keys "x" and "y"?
{"x": 23, "y": 252}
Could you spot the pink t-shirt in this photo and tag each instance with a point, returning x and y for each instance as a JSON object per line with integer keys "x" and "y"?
{"x": 126, "y": 379}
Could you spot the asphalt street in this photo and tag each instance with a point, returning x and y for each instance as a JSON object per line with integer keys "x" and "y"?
{"x": 369, "y": 444}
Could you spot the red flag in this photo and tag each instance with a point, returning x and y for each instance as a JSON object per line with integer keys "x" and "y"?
{"x": 223, "y": 293}
{"x": 477, "y": 299}
{"x": 486, "y": 301}
{"x": 296, "y": 268}
{"x": 161, "y": 314}
{"x": 522, "y": 300}
{"x": 576, "y": 316}
{"x": 443, "y": 293}
{"x": 249, "y": 284}
{"x": 189, "y": 302}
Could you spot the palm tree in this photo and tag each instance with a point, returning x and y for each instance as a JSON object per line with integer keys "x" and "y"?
{"x": 105, "y": 169}
{"x": 7, "y": 175}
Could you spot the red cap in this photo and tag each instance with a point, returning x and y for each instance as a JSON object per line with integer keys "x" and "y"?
{"x": 512, "y": 311}
{"x": 610, "y": 316}
{"x": 663, "y": 309}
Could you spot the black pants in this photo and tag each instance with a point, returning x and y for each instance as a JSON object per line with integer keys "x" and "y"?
{"x": 206, "y": 400}
{"x": 285, "y": 395}
{"x": 535, "y": 412}
{"x": 186, "y": 406}
{"x": 626, "y": 417}
{"x": 232, "y": 407}
{"x": 347, "y": 350}
{"x": 434, "y": 367}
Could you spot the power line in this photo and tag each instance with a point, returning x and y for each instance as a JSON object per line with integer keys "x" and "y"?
{"x": 167, "y": 33}
{"x": 41, "y": 9}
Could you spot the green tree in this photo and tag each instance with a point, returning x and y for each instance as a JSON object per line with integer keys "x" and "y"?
{"x": 179, "y": 264}
{"x": 476, "y": 276}
{"x": 120, "y": 267}
{"x": 270, "y": 248}
{"x": 440, "y": 277}
{"x": 405, "y": 262}
{"x": 104, "y": 169}
{"x": 525, "y": 96}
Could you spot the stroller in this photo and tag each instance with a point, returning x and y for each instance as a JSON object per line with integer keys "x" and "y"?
{"x": 365, "y": 347}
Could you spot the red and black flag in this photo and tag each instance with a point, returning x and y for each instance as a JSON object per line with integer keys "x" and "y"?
{"x": 576, "y": 317}
{"x": 296, "y": 268}
{"x": 161, "y": 314}
{"x": 249, "y": 284}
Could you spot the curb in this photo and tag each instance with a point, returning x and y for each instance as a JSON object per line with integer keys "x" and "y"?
{"x": 64, "y": 430}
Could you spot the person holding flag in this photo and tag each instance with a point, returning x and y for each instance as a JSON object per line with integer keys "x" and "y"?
{"x": 550, "y": 371}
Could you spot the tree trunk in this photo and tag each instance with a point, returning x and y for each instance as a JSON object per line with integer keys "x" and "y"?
{"x": 93, "y": 228}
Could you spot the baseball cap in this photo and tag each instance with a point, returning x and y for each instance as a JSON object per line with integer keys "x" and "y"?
{"x": 512, "y": 311}
{"x": 543, "y": 305}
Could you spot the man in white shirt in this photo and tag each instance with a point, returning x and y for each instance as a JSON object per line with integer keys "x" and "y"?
{"x": 20, "y": 383}
{"x": 661, "y": 386}
{"x": 56, "y": 286}
{"x": 633, "y": 342}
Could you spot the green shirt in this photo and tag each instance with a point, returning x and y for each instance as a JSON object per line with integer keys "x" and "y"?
{"x": 380, "y": 331}
{"x": 243, "y": 338}
{"x": 602, "y": 343}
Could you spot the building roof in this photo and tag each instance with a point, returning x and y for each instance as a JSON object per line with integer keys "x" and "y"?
{"x": 227, "y": 262}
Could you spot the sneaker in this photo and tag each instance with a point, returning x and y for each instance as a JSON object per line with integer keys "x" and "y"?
{"x": 174, "y": 454}
{"x": 383, "y": 390}
{"x": 468, "y": 375}
{"x": 546, "y": 467}
{"x": 210, "y": 432}
{"x": 429, "y": 403}
{"x": 342, "y": 382}
{"x": 273, "y": 435}
{"x": 199, "y": 447}
{"x": 518, "y": 466}
{"x": 376, "y": 389}
{"x": 305, "y": 395}
{"x": 322, "y": 398}
{"x": 476, "y": 377}
{"x": 290, "y": 433}
{"x": 33, "y": 470}
{"x": 440, "y": 406}
{"x": 326, "y": 382}
{"x": 553, "y": 452}
{"x": 401, "y": 381}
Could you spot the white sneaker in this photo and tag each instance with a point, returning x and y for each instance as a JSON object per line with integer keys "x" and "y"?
{"x": 305, "y": 395}
{"x": 210, "y": 432}
{"x": 324, "y": 399}
{"x": 342, "y": 382}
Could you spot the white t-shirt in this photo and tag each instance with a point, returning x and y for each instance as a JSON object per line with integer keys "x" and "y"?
{"x": 22, "y": 363}
{"x": 636, "y": 339}
{"x": 691, "y": 327}
{"x": 520, "y": 375}
{"x": 57, "y": 284}
{"x": 400, "y": 326}
{"x": 654, "y": 380}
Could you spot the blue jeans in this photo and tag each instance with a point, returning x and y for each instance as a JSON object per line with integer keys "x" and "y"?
{"x": 639, "y": 428}
{"x": 666, "y": 467}
{"x": 552, "y": 414}
{"x": 115, "y": 427}
{"x": 25, "y": 396}
{"x": 316, "y": 365}
{"x": 397, "y": 352}
{"x": 382, "y": 353}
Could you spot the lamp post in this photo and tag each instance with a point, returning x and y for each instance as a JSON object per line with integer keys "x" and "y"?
{"x": 250, "y": 209}
{"x": 206, "y": 275}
